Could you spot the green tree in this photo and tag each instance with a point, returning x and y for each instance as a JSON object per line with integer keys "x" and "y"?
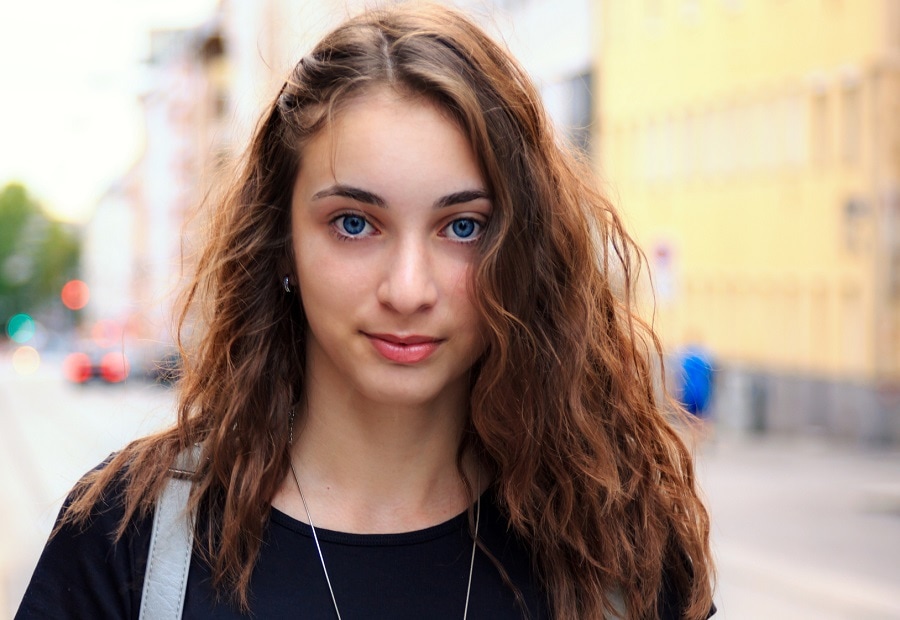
{"x": 37, "y": 255}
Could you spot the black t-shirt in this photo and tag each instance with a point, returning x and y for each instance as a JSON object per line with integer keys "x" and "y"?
{"x": 83, "y": 573}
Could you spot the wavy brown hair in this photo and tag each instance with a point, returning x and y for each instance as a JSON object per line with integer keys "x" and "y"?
{"x": 564, "y": 411}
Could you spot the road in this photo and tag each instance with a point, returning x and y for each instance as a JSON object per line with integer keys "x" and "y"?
{"x": 801, "y": 530}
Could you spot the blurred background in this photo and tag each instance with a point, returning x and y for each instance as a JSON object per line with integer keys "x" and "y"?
{"x": 752, "y": 146}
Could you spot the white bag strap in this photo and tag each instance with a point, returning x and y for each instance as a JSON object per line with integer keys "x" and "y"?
{"x": 171, "y": 543}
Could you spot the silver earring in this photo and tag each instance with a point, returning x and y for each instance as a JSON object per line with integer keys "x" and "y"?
{"x": 287, "y": 284}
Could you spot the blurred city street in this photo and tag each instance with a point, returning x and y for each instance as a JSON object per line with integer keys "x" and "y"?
{"x": 802, "y": 530}
{"x": 50, "y": 434}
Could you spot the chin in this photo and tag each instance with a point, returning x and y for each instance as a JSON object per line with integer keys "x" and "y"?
{"x": 414, "y": 392}
{"x": 404, "y": 398}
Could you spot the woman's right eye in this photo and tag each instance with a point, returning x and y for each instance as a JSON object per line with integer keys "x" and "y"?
{"x": 352, "y": 226}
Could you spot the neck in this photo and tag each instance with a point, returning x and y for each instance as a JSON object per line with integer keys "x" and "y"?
{"x": 370, "y": 468}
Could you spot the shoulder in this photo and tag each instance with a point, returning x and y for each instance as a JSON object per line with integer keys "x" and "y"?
{"x": 102, "y": 517}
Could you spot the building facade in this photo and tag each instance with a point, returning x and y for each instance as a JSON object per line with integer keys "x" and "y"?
{"x": 140, "y": 240}
{"x": 754, "y": 148}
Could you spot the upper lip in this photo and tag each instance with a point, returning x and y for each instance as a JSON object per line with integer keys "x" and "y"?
{"x": 401, "y": 339}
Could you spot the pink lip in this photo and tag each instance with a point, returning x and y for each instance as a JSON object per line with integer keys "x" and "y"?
{"x": 404, "y": 349}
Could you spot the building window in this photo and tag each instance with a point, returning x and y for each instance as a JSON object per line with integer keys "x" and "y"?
{"x": 795, "y": 130}
{"x": 757, "y": 130}
{"x": 720, "y": 153}
{"x": 679, "y": 147}
{"x": 851, "y": 124}
{"x": 820, "y": 142}
{"x": 638, "y": 154}
{"x": 689, "y": 151}
{"x": 732, "y": 144}
{"x": 707, "y": 145}
{"x": 650, "y": 152}
{"x": 856, "y": 214}
{"x": 667, "y": 150}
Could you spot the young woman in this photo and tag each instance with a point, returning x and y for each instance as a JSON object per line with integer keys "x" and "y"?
{"x": 420, "y": 390}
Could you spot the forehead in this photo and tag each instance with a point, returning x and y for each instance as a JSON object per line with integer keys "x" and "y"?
{"x": 388, "y": 142}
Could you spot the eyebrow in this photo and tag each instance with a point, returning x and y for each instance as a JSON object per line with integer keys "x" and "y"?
{"x": 366, "y": 197}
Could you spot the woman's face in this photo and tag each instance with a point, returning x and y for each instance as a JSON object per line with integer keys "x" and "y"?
{"x": 386, "y": 212}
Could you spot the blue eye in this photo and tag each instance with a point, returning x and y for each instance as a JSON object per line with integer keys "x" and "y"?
{"x": 464, "y": 229}
{"x": 353, "y": 224}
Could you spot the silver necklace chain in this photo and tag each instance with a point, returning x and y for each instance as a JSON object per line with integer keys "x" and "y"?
{"x": 312, "y": 526}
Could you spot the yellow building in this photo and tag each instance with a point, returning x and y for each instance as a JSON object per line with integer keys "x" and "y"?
{"x": 754, "y": 147}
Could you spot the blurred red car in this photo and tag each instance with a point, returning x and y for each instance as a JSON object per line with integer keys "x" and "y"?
{"x": 107, "y": 366}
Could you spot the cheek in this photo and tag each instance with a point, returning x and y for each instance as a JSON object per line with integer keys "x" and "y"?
{"x": 325, "y": 273}
{"x": 319, "y": 300}
{"x": 461, "y": 291}
{"x": 457, "y": 282}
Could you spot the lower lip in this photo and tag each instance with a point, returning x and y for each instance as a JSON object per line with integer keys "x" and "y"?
{"x": 404, "y": 353}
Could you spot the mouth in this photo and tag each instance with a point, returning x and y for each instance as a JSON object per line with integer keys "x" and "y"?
{"x": 404, "y": 349}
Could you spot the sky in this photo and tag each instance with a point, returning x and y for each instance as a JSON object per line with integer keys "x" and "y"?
{"x": 70, "y": 121}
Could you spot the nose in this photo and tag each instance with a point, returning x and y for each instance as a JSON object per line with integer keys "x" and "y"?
{"x": 408, "y": 284}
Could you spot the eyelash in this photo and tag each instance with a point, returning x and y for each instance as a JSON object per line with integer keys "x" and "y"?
{"x": 343, "y": 236}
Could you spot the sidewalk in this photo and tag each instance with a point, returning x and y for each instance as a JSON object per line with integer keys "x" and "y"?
{"x": 803, "y": 530}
